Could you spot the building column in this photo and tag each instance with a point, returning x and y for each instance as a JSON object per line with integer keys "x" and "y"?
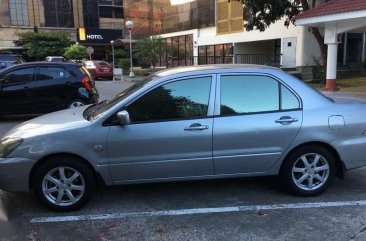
{"x": 330, "y": 39}
{"x": 332, "y": 68}
{"x": 345, "y": 44}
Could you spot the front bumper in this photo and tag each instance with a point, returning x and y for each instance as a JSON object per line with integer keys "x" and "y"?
{"x": 14, "y": 174}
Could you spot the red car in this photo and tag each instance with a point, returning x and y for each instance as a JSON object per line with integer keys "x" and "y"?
{"x": 99, "y": 69}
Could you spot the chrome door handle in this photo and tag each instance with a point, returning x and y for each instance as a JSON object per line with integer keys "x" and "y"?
{"x": 196, "y": 127}
{"x": 286, "y": 119}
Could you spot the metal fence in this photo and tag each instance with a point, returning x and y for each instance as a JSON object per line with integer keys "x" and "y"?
{"x": 261, "y": 59}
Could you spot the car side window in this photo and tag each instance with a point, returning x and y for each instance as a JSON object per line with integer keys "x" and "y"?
{"x": 243, "y": 94}
{"x": 18, "y": 76}
{"x": 50, "y": 73}
{"x": 288, "y": 100}
{"x": 181, "y": 99}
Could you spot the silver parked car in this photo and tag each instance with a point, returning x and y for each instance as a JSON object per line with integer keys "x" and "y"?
{"x": 217, "y": 121}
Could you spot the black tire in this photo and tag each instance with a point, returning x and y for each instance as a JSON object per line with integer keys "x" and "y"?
{"x": 311, "y": 180}
{"x": 72, "y": 166}
{"x": 75, "y": 103}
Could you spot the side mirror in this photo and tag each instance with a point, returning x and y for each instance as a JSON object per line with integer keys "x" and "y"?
{"x": 123, "y": 118}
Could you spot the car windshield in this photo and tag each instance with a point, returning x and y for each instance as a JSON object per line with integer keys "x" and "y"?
{"x": 94, "y": 111}
{"x": 102, "y": 63}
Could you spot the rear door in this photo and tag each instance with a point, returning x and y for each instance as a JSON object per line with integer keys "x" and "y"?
{"x": 257, "y": 119}
{"x": 16, "y": 91}
{"x": 52, "y": 88}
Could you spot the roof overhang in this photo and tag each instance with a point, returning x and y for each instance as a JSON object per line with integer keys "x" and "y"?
{"x": 346, "y": 22}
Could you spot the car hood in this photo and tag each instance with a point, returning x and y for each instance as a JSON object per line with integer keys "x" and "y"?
{"x": 49, "y": 123}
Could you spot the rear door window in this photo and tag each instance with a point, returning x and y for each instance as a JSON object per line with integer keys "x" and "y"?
{"x": 52, "y": 73}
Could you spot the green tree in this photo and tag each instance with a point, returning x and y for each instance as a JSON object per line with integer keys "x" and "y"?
{"x": 149, "y": 49}
{"x": 42, "y": 44}
{"x": 263, "y": 13}
{"x": 76, "y": 52}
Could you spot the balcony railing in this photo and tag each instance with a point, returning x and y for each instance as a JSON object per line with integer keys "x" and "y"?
{"x": 261, "y": 59}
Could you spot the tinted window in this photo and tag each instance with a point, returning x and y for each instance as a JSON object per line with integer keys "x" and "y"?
{"x": 18, "y": 76}
{"x": 102, "y": 64}
{"x": 49, "y": 73}
{"x": 288, "y": 99}
{"x": 248, "y": 94}
{"x": 178, "y": 100}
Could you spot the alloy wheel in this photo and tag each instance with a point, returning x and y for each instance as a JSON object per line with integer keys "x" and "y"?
{"x": 63, "y": 186}
{"x": 76, "y": 104}
{"x": 310, "y": 171}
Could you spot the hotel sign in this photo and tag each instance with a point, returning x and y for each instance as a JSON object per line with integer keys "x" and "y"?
{"x": 101, "y": 36}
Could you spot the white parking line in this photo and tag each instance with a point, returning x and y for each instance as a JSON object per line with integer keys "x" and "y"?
{"x": 196, "y": 211}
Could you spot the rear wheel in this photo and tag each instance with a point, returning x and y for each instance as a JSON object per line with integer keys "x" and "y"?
{"x": 64, "y": 183}
{"x": 309, "y": 170}
{"x": 76, "y": 103}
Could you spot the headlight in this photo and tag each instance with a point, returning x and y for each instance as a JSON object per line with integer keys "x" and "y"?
{"x": 9, "y": 144}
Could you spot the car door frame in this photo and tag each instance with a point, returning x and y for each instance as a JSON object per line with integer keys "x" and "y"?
{"x": 217, "y": 114}
{"x": 210, "y": 112}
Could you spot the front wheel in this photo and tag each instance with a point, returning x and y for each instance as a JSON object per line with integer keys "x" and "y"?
{"x": 76, "y": 103}
{"x": 64, "y": 183}
{"x": 309, "y": 170}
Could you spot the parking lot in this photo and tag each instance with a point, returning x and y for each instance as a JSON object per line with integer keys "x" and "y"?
{"x": 231, "y": 209}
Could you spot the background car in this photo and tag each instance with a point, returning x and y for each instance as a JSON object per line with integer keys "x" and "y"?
{"x": 41, "y": 87}
{"x": 6, "y": 64}
{"x": 8, "y": 60}
{"x": 55, "y": 59}
{"x": 99, "y": 69}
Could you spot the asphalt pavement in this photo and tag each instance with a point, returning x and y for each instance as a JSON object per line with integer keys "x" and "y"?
{"x": 231, "y": 209}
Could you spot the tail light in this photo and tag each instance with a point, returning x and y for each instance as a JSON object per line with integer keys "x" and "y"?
{"x": 87, "y": 83}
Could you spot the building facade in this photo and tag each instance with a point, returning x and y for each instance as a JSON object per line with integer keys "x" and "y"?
{"x": 193, "y": 31}
{"x": 226, "y": 41}
{"x": 101, "y": 18}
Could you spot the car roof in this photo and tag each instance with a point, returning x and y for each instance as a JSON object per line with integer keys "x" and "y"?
{"x": 214, "y": 67}
{"x": 47, "y": 63}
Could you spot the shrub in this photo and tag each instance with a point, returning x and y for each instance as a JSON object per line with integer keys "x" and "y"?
{"x": 125, "y": 64}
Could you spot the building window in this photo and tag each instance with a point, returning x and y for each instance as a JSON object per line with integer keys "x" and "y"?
{"x": 56, "y": 13}
{"x": 90, "y": 13}
{"x": 178, "y": 51}
{"x": 229, "y": 17}
{"x": 19, "y": 12}
{"x": 215, "y": 54}
{"x": 157, "y": 17}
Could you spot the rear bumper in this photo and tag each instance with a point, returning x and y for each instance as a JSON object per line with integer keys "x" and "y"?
{"x": 14, "y": 174}
{"x": 103, "y": 74}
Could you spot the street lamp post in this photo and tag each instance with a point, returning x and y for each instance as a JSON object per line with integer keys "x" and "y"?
{"x": 112, "y": 43}
{"x": 129, "y": 25}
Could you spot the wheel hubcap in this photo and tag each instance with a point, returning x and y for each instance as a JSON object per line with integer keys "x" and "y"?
{"x": 76, "y": 104}
{"x": 63, "y": 186}
{"x": 310, "y": 171}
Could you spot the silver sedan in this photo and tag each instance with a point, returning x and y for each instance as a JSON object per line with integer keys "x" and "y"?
{"x": 205, "y": 122}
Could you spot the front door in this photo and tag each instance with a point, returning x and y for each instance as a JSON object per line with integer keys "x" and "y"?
{"x": 288, "y": 57}
{"x": 257, "y": 120}
{"x": 170, "y": 135}
{"x": 16, "y": 91}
